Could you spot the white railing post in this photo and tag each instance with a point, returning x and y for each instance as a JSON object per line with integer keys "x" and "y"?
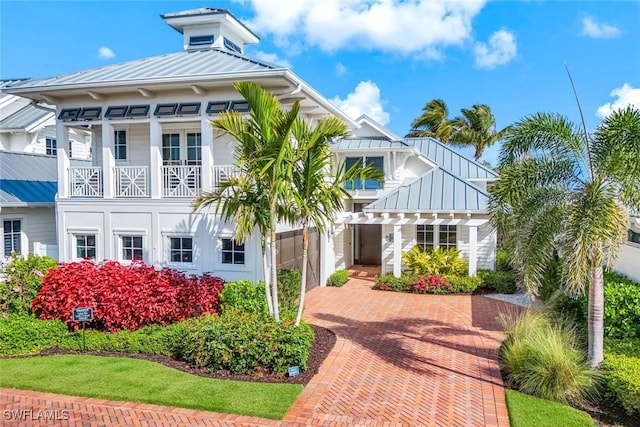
{"x": 131, "y": 181}
{"x": 108, "y": 159}
{"x": 62, "y": 136}
{"x": 155, "y": 155}
{"x": 206, "y": 132}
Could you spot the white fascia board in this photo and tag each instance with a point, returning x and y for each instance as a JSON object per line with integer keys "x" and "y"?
{"x": 41, "y": 123}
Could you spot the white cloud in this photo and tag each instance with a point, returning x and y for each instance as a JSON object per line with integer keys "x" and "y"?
{"x": 105, "y": 53}
{"x": 408, "y": 27}
{"x": 501, "y": 49}
{"x": 365, "y": 99}
{"x": 273, "y": 58}
{"x": 596, "y": 30}
{"x": 627, "y": 96}
{"x": 340, "y": 69}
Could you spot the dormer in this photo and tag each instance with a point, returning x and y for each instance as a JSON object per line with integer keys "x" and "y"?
{"x": 208, "y": 28}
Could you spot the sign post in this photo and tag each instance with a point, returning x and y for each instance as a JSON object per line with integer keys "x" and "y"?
{"x": 83, "y": 315}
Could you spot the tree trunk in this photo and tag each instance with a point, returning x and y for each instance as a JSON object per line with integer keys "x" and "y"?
{"x": 266, "y": 273}
{"x": 478, "y": 153}
{"x": 303, "y": 283}
{"x": 274, "y": 273}
{"x": 596, "y": 316}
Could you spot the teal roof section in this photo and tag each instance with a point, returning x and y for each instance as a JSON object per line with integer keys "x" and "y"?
{"x": 447, "y": 158}
{"x": 438, "y": 190}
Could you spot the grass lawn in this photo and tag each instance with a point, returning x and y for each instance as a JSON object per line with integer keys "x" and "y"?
{"x": 121, "y": 378}
{"x": 526, "y": 411}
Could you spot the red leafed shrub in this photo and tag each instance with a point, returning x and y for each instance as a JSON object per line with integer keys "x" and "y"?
{"x": 431, "y": 284}
{"x": 125, "y": 297}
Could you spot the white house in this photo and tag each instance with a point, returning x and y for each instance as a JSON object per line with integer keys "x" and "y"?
{"x": 628, "y": 263}
{"x": 154, "y": 151}
{"x": 28, "y": 172}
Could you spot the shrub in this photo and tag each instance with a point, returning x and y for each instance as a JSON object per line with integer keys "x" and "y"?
{"x": 244, "y": 296}
{"x": 503, "y": 261}
{"x": 622, "y": 368}
{"x": 464, "y": 284}
{"x": 389, "y": 282}
{"x": 151, "y": 339}
{"x": 125, "y": 297}
{"x": 543, "y": 359}
{"x": 503, "y": 282}
{"x": 338, "y": 278}
{"x": 248, "y": 343}
{"x": 437, "y": 261}
{"x": 20, "y": 280}
{"x": 24, "y": 334}
{"x": 431, "y": 284}
{"x": 288, "y": 289}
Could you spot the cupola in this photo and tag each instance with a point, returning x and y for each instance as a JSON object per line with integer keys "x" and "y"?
{"x": 208, "y": 28}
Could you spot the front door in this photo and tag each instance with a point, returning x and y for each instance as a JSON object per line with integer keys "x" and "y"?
{"x": 369, "y": 241}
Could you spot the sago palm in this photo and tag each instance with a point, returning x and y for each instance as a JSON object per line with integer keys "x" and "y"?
{"x": 476, "y": 128}
{"x": 562, "y": 191}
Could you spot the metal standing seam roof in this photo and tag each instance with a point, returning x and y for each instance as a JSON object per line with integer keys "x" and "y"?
{"x": 23, "y": 118}
{"x": 447, "y": 158}
{"x": 368, "y": 143}
{"x": 27, "y": 167}
{"x": 437, "y": 190}
{"x": 14, "y": 191}
{"x": 174, "y": 65}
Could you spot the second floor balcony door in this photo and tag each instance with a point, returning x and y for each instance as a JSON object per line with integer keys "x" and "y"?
{"x": 181, "y": 160}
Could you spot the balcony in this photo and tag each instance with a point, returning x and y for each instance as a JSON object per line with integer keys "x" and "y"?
{"x": 176, "y": 181}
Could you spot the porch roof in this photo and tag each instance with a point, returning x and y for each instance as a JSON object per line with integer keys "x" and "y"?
{"x": 438, "y": 190}
{"x": 22, "y": 192}
{"x": 23, "y": 119}
{"x": 445, "y": 157}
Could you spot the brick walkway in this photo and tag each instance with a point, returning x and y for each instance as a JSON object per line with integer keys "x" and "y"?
{"x": 400, "y": 359}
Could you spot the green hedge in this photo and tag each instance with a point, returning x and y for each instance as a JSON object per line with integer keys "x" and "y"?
{"x": 503, "y": 282}
{"x": 464, "y": 284}
{"x": 247, "y": 343}
{"x": 622, "y": 368}
{"x": 406, "y": 283}
{"x": 24, "y": 334}
{"x": 243, "y": 295}
{"x": 338, "y": 278}
{"x": 288, "y": 289}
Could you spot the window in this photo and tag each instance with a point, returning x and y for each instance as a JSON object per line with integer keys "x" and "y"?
{"x": 120, "y": 144}
{"x": 51, "y": 146}
{"x": 201, "y": 40}
{"x": 194, "y": 148}
{"x": 171, "y": 148}
{"x": 181, "y": 249}
{"x": 232, "y": 252}
{"x": 634, "y": 237}
{"x": 369, "y": 184}
{"x": 424, "y": 236}
{"x": 232, "y": 46}
{"x": 85, "y": 246}
{"x": 131, "y": 248}
{"x": 12, "y": 236}
{"x": 448, "y": 237}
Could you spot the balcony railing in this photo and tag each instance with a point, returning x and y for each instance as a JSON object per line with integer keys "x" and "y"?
{"x": 86, "y": 182}
{"x": 223, "y": 173}
{"x": 181, "y": 181}
{"x": 132, "y": 181}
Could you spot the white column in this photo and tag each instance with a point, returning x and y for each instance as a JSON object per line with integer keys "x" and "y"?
{"x": 108, "y": 161}
{"x": 397, "y": 250}
{"x": 62, "y": 136}
{"x": 473, "y": 250}
{"x": 327, "y": 256}
{"x": 207, "y": 154}
{"x": 436, "y": 236}
{"x": 155, "y": 157}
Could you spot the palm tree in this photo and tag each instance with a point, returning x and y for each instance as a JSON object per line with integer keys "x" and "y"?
{"x": 433, "y": 122}
{"x": 266, "y": 155}
{"x": 476, "y": 127}
{"x": 564, "y": 192}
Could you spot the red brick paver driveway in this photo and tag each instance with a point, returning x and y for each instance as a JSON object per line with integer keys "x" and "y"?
{"x": 400, "y": 359}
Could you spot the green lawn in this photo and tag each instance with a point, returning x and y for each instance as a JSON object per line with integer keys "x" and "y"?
{"x": 529, "y": 411}
{"x": 121, "y": 378}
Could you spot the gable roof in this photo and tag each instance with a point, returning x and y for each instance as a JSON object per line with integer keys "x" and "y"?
{"x": 445, "y": 157}
{"x": 24, "y": 118}
{"x": 355, "y": 143}
{"x": 180, "y": 65}
{"x": 438, "y": 190}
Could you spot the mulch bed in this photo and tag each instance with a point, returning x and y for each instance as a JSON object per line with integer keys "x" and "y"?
{"x": 320, "y": 349}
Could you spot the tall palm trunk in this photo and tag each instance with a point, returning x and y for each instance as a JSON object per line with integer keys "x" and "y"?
{"x": 266, "y": 272}
{"x": 303, "y": 283}
{"x": 596, "y": 316}
{"x": 274, "y": 273}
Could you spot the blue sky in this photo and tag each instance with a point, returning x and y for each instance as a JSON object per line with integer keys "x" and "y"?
{"x": 385, "y": 58}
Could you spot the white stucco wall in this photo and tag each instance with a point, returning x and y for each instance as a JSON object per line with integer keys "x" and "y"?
{"x": 628, "y": 262}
